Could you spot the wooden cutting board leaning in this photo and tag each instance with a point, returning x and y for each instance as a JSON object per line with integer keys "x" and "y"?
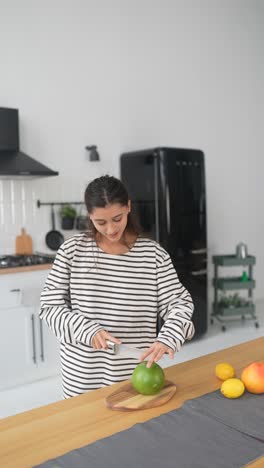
{"x": 24, "y": 244}
{"x": 128, "y": 399}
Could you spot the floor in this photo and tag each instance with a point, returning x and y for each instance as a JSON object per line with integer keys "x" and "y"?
{"x": 47, "y": 391}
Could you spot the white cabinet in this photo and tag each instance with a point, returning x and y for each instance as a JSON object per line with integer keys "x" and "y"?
{"x": 47, "y": 349}
{"x": 28, "y": 349}
{"x": 16, "y": 349}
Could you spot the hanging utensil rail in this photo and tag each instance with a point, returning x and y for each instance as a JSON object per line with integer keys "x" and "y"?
{"x": 39, "y": 203}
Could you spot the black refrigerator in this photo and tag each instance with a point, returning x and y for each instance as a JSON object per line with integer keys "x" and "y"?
{"x": 167, "y": 190}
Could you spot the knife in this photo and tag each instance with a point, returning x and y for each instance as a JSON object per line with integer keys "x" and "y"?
{"x": 123, "y": 350}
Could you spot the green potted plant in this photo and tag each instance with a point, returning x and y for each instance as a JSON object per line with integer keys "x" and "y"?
{"x": 68, "y": 215}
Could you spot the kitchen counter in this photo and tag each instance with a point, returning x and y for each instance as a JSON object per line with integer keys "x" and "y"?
{"x": 35, "y": 436}
{"x": 21, "y": 269}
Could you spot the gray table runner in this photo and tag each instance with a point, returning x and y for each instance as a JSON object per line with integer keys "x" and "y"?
{"x": 207, "y": 432}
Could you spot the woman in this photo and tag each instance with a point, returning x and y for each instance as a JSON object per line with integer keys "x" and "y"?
{"x": 111, "y": 284}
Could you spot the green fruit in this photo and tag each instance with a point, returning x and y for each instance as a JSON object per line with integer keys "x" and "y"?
{"x": 148, "y": 380}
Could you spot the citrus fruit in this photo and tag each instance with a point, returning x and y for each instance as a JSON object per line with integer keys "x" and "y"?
{"x": 224, "y": 371}
{"x": 232, "y": 388}
{"x": 148, "y": 380}
{"x": 253, "y": 377}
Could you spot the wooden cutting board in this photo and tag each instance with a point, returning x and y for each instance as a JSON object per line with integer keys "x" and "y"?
{"x": 128, "y": 399}
{"x": 24, "y": 244}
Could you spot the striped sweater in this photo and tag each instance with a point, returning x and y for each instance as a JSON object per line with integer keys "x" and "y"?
{"x": 88, "y": 290}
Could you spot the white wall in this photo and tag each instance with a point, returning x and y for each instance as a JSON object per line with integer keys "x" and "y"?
{"x": 129, "y": 75}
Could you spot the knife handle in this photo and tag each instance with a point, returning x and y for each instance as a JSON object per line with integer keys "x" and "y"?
{"x": 111, "y": 345}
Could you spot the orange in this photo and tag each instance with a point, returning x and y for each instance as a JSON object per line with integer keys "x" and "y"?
{"x": 148, "y": 380}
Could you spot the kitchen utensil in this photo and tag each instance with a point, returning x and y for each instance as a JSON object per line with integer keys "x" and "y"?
{"x": 128, "y": 399}
{"x": 54, "y": 238}
{"x": 23, "y": 243}
{"x": 124, "y": 350}
{"x": 82, "y": 221}
{"x": 241, "y": 250}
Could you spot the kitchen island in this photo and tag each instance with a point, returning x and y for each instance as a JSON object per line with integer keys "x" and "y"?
{"x": 31, "y": 438}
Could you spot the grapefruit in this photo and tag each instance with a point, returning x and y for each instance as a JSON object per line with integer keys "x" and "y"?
{"x": 148, "y": 380}
{"x": 253, "y": 377}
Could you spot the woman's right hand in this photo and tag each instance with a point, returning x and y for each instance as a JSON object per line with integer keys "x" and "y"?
{"x": 99, "y": 340}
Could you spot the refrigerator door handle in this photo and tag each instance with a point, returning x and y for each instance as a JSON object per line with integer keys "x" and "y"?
{"x": 198, "y": 251}
{"x": 168, "y": 210}
{"x": 199, "y": 272}
{"x": 156, "y": 195}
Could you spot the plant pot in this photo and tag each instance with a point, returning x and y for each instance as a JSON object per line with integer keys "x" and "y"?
{"x": 67, "y": 223}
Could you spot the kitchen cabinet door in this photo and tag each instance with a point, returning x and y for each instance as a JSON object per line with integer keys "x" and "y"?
{"x": 48, "y": 362}
{"x": 28, "y": 349}
{"x": 18, "y": 362}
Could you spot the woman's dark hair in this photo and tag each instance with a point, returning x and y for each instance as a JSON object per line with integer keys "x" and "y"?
{"x": 104, "y": 191}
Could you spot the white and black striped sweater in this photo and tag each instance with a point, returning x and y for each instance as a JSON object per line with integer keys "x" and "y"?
{"x": 88, "y": 290}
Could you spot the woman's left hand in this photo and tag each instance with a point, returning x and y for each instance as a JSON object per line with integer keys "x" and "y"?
{"x": 156, "y": 352}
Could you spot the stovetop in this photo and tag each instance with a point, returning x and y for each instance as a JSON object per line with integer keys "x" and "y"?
{"x": 13, "y": 261}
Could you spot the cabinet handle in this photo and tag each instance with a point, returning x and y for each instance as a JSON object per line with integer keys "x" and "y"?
{"x": 41, "y": 340}
{"x": 33, "y": 339}
{"x": 15, "y": 290}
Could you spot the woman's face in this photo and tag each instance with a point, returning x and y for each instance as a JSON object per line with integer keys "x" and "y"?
{"x": 111, "y": 220}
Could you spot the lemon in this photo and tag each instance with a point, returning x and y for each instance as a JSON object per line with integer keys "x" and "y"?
{"x": 232, "y": 388}
{"x": 224, "y": 371}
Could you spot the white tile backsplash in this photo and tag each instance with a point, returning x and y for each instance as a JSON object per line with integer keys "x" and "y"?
{"x": 18, "y": 209}
{"x": 1, "y": 191}
{"x": 1, "y": 216}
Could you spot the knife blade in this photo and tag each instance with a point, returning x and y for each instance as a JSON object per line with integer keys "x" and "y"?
{"x": 124, "y": 350}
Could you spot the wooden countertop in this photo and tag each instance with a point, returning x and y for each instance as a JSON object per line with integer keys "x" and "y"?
{"x": 44, "y": 266}
{"x": 35, "y": 436}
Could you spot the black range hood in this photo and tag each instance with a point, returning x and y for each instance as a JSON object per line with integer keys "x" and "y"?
{"x": 14, "y": 163}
